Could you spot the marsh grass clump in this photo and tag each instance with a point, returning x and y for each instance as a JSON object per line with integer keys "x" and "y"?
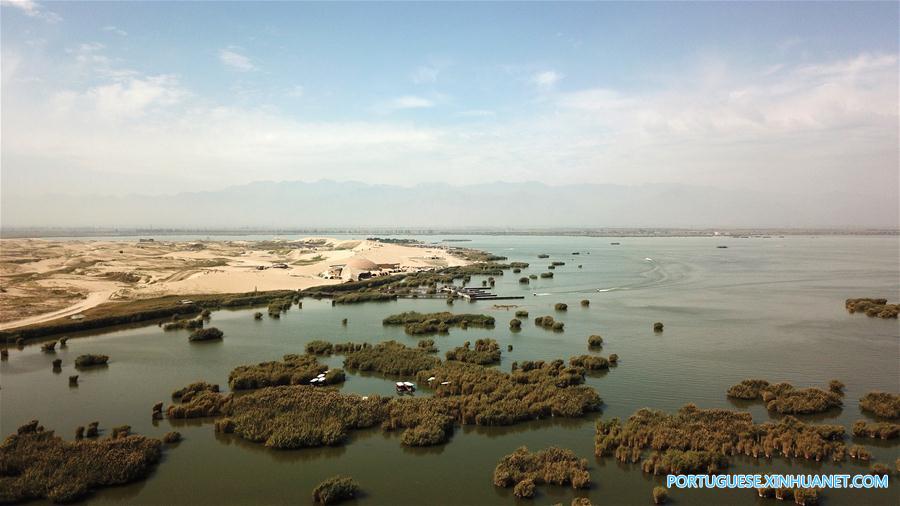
{"x": 546, "y": 275}
{"x": 590, "y": 362}
{"x": 658, "y": 327}
{"x": 93, "y": 430}
{"x": 171, "y": 437}
{"x": 700, "y": 440}
{"x": 390, "y": 358}
{"x": 837, "y": 387}
{"x": 292, "y": 370}
{"x": 210, "y": 334}
{"x": 319, "y": 347}
{"x": 515, "y": 324}
{"x": 585, "y": 302}
{"x": 659, "y": 495}
{"x": 4, "y": 354}
{"x": 431, "y": 323}
{"x": 543, "y": 255}
{"x": 859, "y": 453}
{"x": 427, "y": 345}
{"x": 524, "y": 280}
{"x": 561, "y": 306}
{"x": 57, "y": 365}
{"x": 523, "y": 470}
{"x": 120, "y": 431}
{"x": 36, "y": 464}
{"x": 883, "y": 404}
{"x": 185, "y": 394}
{"x": 49, "y": 347}
{"x": 613, "y": 358}
{"x": 784, "y": 398}
{"x": 297, "y": 416}
{"x": 532, "y": 276}
{"x": 521, "y": 313}
{"x": 486, "y": 351}
{"x": 872, "y": 307}
{"x": 90, "y": 360}
{"x": 63, "y": 342}
{"x": 257, "y": 315}
{"x": 595, "y": 341}
{"x": 548, "y": 322}
{"x": 73, "y": 380}
{"x": 335, "y": 489}
{"x": 879, "y": 430}
{"x": 190, "y": 324}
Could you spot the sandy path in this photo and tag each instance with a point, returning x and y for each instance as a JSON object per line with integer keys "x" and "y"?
{"x": 93, "y": 299}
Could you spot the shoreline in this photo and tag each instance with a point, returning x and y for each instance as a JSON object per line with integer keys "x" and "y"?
{"x": 47, "y": 280}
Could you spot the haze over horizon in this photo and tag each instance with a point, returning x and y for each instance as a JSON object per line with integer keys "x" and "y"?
{"x": 664, "y": 114}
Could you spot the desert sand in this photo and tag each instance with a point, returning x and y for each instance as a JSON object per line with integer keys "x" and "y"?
{"x": 45, "y": 279}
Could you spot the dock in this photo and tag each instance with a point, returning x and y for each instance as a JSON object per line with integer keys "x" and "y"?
{"x": 478, "y": 293}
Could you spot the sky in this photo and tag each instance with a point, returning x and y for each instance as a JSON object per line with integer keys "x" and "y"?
{"x": 158, "y": 98}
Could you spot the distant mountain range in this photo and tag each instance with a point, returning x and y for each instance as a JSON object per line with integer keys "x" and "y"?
{"x": 512, "y": 205}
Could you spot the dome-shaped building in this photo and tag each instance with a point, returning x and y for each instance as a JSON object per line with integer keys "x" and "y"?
{"x": 358, "y": 268}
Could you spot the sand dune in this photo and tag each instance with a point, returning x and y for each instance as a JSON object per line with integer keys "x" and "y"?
{"x": 46, "y": 279}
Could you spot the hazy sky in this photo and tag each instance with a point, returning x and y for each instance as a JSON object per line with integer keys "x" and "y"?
{"x": 164, "y": 97}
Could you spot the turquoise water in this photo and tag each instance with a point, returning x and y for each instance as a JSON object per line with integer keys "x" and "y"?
{"x": 767, "y": 308}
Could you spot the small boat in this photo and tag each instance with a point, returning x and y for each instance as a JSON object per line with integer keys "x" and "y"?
{"x": 405, "y": 387}
{"x": 445, "y": 383}
{"x": 722, "y": 247}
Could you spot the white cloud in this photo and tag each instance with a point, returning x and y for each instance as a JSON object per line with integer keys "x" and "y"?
{"x": 236, "y": 61}
{"x": 546, "y": 80}
{"x": 33, "y": 9}
{"x": 115, "y": 30}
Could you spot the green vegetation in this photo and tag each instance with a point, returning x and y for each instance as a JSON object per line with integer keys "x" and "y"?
{"x": 515, "y": 324}
{"x": 358, "y": 297}
{"x": 171, "y": 437}
{"x": 548, "y": 322}
{"x": 49, "y": 347}
{"x": 659, "y": 495}
{"x": 319, "y": 347}
{"x": 90, "y": 360}
{"x": 880, "y": 430}
{"x": 335, "y": 489}
{"x": 859, "y": 453}
{"x": 700, "y": 440}
{"x": 257, "y": 315}
{"x": 837, "y": 387}
{"x": 185, "y": 323}
{"x": 524, "y": 280}
{"x": 543, "y": 255}
{"x": 613, "y": 358}
{"x": 297, "y": 416}
{"x": 882, "y": 404}
{"x": 486, "y": 351}
{"x": 534, "y": 276}
{"x": 521, "y": 313}
{"x": 658, "y": 327}
{"x": 391, "y": 358}
{"x": 590, "y": 362}
{"x": 185, "y": 394}
{"x": 557, "y": 263}
{"x": 559, "y": 306}
{"x": 873, "y": 307}
{"x": 427, "y": 345}
{"x": 431, "y": 323}
{"x": 585, "y": 302}
{"x": 118, "y": 313}
{"x": 36, "y": 464}
{"x": 546, "y": 274}
{"x": 523, "y": 470}
{"x": 595, "y": 341}
{"x": 784, "y": 398}
{"x": 210, "y": 334}
{"x": 293, "y": 370}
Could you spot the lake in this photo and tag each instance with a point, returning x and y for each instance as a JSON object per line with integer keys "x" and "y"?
{"x": 760, "y": 308}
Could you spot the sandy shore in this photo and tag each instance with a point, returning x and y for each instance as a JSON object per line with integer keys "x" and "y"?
{"x": 45, "y": 279}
